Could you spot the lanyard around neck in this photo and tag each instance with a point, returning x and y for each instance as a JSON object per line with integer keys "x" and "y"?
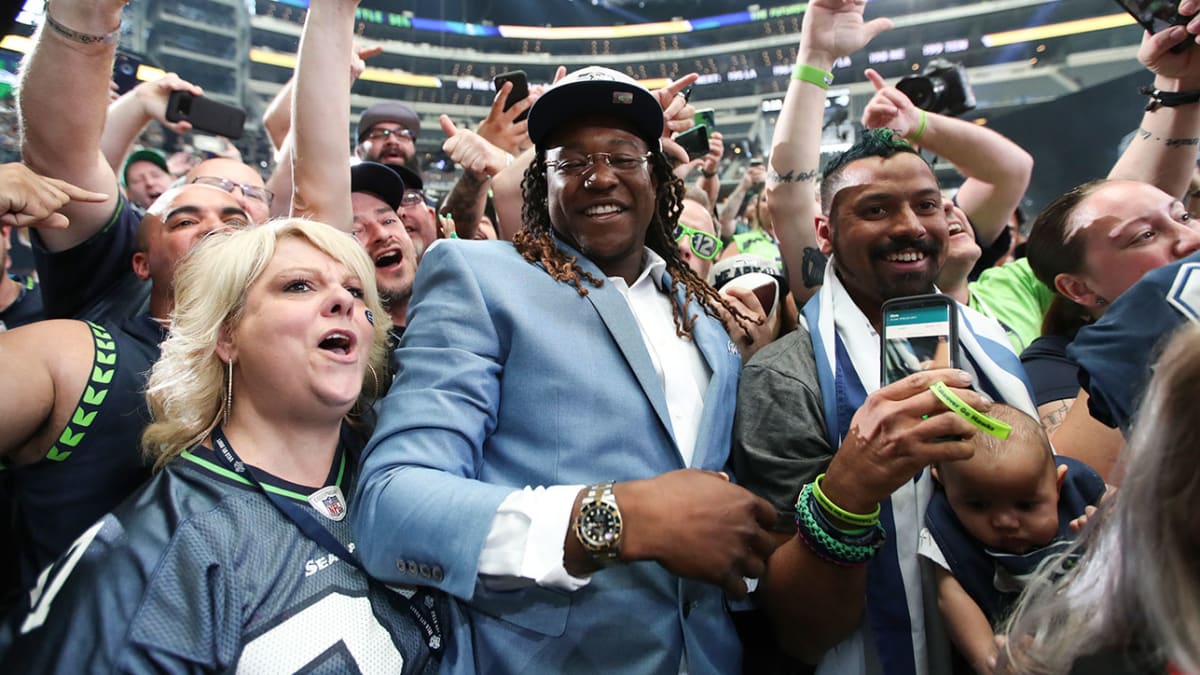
{"x": 302, "y": 518}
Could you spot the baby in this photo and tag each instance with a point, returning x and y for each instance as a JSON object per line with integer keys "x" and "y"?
{"x": 995, "y": 518}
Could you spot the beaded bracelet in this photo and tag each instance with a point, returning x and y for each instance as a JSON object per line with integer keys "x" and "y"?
{"x": 812, "y": 75}
{"x": 829, "y": 543}
{"x": 859, "y": 519}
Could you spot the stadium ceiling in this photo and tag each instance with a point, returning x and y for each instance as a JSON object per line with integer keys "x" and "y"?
{"x": 567, "y": 12}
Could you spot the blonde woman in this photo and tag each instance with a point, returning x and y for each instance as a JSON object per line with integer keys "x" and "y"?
{"x": 1133, "y": 601}
{"x": 238, "y": 553}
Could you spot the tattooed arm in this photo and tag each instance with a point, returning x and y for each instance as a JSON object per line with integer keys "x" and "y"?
{"x": 1053, "y": 413}
{"x": 794, "y": 169}
{"x": 1163, "y": 151}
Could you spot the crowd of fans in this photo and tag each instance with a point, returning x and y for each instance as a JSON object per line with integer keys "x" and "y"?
{"x": 581, "y": 413}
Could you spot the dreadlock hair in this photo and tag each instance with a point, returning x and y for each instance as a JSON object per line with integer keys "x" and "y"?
{"x": 535, "y": 242}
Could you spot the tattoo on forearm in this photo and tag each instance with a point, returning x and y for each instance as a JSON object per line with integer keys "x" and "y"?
{"x": 793, "y": 176}
{"x": 1053, "y": 414}
{"x": 1169, "y": 142}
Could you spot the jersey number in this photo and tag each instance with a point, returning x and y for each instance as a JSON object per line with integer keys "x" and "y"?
{"x": 297, "y": 642}
{"x": 42, "y": 595}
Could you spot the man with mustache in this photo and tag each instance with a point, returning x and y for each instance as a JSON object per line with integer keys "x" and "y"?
{"x": 884, "y": 224}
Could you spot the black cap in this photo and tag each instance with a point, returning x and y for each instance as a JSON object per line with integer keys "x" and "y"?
{"x": 378, "y": 179}
{"x": 412, "y": 179}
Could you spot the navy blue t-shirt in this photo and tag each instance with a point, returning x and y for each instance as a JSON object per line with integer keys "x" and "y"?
{"x": 94, "y": 280}
{"x": 27, "y": 308}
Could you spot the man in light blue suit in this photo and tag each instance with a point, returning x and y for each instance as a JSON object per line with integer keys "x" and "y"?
{"x": 553, "y": 447}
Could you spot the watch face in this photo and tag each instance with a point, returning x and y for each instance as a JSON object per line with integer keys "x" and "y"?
{"x": 600, "y": 525}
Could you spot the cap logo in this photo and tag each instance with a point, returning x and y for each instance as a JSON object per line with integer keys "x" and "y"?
{"x": 622, "y": 97}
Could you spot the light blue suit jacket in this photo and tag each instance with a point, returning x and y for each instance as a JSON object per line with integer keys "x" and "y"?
{"x": 509, "y": 378}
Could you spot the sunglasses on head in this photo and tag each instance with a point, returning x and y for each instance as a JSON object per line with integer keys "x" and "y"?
{"x": 704, "y": 245}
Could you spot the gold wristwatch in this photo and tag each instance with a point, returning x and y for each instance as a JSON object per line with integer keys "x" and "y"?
{"x": 598, "y": 526}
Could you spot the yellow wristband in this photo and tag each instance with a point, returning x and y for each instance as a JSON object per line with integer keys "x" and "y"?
{"x": 813, "y": 75}
{"x": 916, "y": 138}
{"x": 988, "y": 425}
{"x": 859, "y": 519}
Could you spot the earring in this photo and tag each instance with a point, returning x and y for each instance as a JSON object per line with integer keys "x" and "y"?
{"x": 228, "y": 392}
{"x": 1101, "y": 301}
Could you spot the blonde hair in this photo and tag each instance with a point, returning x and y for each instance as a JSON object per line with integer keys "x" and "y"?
{"x": 1138, "y": 582}
{"x": 186, "y": 389}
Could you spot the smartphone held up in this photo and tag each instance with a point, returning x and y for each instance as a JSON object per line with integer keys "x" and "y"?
{"x": 919, "y": 332}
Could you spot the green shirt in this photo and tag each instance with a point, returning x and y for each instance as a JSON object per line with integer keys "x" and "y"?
{"x": 1013, "y": 296}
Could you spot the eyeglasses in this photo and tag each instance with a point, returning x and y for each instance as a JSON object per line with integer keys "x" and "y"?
{"x": 412, "y": 198}
{"x": 376, "y": 134}
{"x": 620, "y": 162}
{"x": 251, "y": 191}
{"x": 704, "y": 245}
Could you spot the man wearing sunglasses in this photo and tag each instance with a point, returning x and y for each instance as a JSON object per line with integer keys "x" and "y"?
{"x": 695, "y": 233}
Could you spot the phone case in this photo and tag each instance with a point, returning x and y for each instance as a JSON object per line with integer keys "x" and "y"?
{"x": 205, "y": 114}
{"x": 694, "y": 141}
{"x": 519, "y": 91}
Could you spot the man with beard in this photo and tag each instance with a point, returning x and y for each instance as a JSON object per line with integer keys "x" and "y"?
{"x": 377, "y": 196}
{"x": 387, "y": 133}
{"x": 885, "y": 227}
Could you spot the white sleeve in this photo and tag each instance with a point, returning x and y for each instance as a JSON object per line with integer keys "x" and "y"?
{"x": 525, "y": 543}
{"x": 927, "y": 548}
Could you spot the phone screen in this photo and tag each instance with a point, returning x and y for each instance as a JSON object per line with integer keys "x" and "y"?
{"x": 707, "y": 117}
{"x": 917, "y": 335}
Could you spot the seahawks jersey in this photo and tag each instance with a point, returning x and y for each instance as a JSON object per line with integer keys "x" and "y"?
{"x": 200, "y": 572}
{"x": 1116, "y": 353}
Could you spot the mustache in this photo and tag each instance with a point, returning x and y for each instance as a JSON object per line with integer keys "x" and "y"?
{"x": 923, "y": 245}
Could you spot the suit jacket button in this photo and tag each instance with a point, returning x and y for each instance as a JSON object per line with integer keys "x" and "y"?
{"x": 438, "y": 575}
{"x": 412, "y": 567}
{"x": 425, "y": 571}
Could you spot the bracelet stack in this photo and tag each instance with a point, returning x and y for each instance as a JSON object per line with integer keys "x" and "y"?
{"x": 845, "y": 548}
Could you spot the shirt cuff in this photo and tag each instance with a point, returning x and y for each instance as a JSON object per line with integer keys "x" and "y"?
{"x": 525, "y": 542}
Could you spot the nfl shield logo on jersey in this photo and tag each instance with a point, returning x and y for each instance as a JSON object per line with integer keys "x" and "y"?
{"x": 329, "y": 502}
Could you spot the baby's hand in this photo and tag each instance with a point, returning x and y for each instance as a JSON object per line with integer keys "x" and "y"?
{"x": 1077, "y": 524}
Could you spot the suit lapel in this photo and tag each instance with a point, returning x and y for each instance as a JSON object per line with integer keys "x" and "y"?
{"x": 618, "y": 318}
{"x": 724, "y": 363}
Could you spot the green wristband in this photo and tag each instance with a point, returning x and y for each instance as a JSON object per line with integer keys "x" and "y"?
{"x": 813, "y": 75}
{"x": 988, "y": 425}
{"x": 916, "y": 138}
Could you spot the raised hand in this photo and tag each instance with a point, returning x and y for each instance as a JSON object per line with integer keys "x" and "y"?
{"x": 500, "y": 127}
{"x": 153, "y": 97}
{"x": 358, "y": 61}
{"x": 835, "y": 28}
{"x": 677, "y": 112}
{"x": 27, "y": 199}
{"x": 890, "y": 108}
{"x": 472, "y": 151}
